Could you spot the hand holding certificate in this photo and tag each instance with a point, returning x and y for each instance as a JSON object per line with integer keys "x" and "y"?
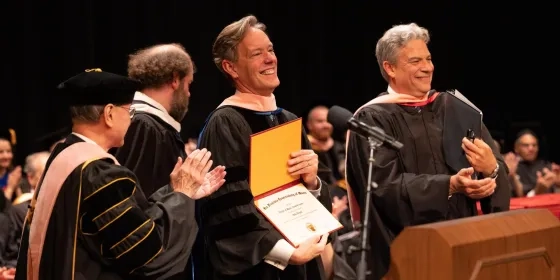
{"x": 279, "y": 195}
{"x": 305, "y": 163}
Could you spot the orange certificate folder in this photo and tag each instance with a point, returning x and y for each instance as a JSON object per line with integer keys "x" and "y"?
{"x": 280, "y": 197}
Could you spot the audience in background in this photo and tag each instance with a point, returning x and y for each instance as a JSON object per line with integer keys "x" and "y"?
{"x": 9, "y": 176}
{"x": 528, "y": 174}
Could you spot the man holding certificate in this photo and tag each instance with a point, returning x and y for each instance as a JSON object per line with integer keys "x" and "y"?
{"x": 262, "y": 224}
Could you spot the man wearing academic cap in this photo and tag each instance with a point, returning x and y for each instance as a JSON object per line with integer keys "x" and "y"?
{"x": 239, "y": 243}
{"x": 88, "y": 219}
{"x": 431, "y": 178}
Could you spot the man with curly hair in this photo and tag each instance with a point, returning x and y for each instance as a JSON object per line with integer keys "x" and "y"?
{"x": 153, "y": 143}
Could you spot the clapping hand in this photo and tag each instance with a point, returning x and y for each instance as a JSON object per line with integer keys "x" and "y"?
{"x": 191, "y": 177}
{"x": 475, "y": 189}
{"x": 212, "y": 181}
{"x": 545, "y": 179}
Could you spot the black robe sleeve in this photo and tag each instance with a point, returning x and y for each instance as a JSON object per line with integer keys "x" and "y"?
{"x": 402, "y": 199}
{"x": 500, "y": 199}
{"x": 153, "y": 242}
{"x": 238, "y": 236}
{"x": 145, "y": 149}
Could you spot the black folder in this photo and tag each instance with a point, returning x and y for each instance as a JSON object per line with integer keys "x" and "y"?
{"x": 460, "y": 116}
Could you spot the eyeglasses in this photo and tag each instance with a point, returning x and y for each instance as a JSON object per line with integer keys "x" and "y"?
{"x": 131, "y": 110}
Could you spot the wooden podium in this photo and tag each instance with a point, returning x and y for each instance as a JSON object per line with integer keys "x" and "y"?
{"x": 519, "y": 244}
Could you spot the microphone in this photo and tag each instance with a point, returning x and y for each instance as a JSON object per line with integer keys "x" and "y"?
{"x": 342, "y": 120}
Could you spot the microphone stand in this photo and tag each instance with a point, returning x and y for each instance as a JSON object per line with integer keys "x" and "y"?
{"x": 361, "y": 268}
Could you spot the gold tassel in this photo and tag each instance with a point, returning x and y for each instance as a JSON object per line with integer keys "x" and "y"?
{"x": 13, "y": 138}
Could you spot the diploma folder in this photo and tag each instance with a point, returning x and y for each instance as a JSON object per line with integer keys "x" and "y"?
{"x": 460, "y": 116}
{"x": 283, "y": 199}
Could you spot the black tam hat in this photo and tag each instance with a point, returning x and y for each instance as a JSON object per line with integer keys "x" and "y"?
{"x": 95, "y": 87}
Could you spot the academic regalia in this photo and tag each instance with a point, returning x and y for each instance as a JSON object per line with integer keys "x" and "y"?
{"x": 236, "y": 237}
{"x": 101, "y": 226}
{"x": 413, "y": 182}
{"x": 151, "y": 147}
{"x": 160, "y": 233}
{"x": 152, "y": 144}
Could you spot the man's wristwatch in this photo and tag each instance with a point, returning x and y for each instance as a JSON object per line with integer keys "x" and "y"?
{"x": 494, "y": 174}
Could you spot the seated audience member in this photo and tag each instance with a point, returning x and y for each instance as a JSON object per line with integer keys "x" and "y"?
{"x": 528, "y": 174}
{"x": 33, "y": 169}
{"x": 10, "y": 177}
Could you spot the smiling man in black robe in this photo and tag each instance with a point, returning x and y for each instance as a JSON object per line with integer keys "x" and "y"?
{"x": 88, "y": 220}
{"x": 429, "y": 179}
{"x": 239, "y": 243}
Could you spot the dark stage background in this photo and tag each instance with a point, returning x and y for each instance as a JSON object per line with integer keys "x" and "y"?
{"x": 325, "y": 51}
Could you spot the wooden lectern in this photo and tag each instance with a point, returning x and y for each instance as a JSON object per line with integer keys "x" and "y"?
{"x": 519, "y": 244}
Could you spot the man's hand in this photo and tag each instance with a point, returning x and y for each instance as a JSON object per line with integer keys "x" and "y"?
{"x": 545, "y": 179}
{"x": 475, "y": 189}
{"x": 189, "y": 176}
{"x": 480, "y": 156}
{"x": 305, "y": 163}
{"x": 212, "y": 181}
{"x": 309, "y": 250}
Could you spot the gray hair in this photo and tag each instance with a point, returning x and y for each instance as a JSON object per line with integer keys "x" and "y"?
{"x": 87, "y": 113}
{"x": 394, "y": 39}
{"x": 32, "y": 161}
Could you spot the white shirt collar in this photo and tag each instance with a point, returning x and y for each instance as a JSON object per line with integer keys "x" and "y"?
{"x": 155, "y": 108}
{"x": 390, "y": 90}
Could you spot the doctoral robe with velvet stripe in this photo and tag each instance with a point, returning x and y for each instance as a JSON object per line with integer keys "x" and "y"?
{"x": 119, "y": 235}
{"x": 235, "y": 236}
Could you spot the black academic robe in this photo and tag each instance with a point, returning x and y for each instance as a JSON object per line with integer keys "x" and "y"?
{"x": 413, "y": 183}
{"x": 236, "y": 236}
{"x": 151, "y": 148}
{"x": 103, "y": 227}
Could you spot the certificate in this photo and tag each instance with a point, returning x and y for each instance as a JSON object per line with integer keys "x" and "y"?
{"x": 281, "y": 198}
{"x": 297, "y": 214}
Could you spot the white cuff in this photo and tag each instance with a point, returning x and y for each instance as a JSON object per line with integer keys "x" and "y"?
{"x": 280, "y": 254}
{"x": 317, "y": 192}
